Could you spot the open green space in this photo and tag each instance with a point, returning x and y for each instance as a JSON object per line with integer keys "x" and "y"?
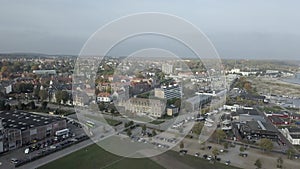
{"x": 157, "y": 122}
{"x": 94, "y": 157}
{"x": 113, "y": 122}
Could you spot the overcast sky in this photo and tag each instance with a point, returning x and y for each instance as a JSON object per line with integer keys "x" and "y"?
{"x": 238, "y": 29}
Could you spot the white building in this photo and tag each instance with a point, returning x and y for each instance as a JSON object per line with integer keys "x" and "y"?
{"x": 167, "y": 68}
{"x": 292, "y": 134}
{"x": 104, "y": 97}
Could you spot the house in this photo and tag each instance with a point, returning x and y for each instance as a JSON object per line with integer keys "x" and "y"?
{"x": 104, "y": 97}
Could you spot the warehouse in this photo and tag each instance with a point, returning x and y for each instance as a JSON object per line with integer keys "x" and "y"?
{"x": 18, "y": 128}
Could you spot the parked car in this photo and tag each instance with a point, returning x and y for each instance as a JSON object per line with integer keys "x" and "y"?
{"x": 197, "y": 154}
{"x": 14, "y": 160}
{"x": 243, "y": 154}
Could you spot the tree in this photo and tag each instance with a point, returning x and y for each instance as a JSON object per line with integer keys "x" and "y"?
{"x": 266, "y": 144}
{"x": 290, "y": 153}
{"x": 62, "y": 96}
{"x": 258, "y": 163}
{"x": 279, "y": 162}
{"x": 181, "y": 145}
{"x": 2, "y": 104}
{"x": 32, "y": 105}
{"x": 225, "y": 145}
{"x": 220, "y": 134}
{"x": 101, "y": 106}
{"x": 44, "y": 105}
{"x": 129, "y": 133}
{"x": 242, "y": 149}
{"x": 215, "y": 152}
{"x": 43, "y": 94}
{"x": 197, "y": 128}
{"x": 144, "y": 128}
{"x": 154, "y": 133}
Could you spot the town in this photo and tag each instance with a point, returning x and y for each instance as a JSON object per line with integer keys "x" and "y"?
{"x": 248, "y": 111}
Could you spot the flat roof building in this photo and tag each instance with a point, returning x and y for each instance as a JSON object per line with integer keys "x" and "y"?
{"x": 20, "y": 128}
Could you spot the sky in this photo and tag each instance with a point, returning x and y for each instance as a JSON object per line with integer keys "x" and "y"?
{"x": 252, "y": 29}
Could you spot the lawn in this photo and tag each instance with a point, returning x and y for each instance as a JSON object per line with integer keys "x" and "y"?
{"x": 157, "y": 122}
{"x": 94, "y": 157}
{"x": 113, "y": 122}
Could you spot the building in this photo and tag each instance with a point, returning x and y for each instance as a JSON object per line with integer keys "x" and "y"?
{"x": 172, "y": 110}
{"x": 19, "y": 128}
{"x": 141, "y": 106}
{"x": 44, "y": 72}
{"x": 167, "y": 68}
{"x": 168, "y": 92}
{"x": 258, "y": 129}
{"x": 139, "y": 87}
{"x": 247, "y": 114}
{"x": 104, "y": 97}
{"x": 279, "y": 121}
{"x": 292, "y": 134}
{"x": 197, "y": 102}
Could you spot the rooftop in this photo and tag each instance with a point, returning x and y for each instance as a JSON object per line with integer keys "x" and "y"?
{"x": 25, "y": 120}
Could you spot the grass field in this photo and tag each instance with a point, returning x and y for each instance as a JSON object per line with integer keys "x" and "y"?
{"x": 93, "y": 157}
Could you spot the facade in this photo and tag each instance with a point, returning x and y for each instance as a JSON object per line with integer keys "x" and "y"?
{"x": 197, "y": 102}
{"x": 19, "y": 128}
{"x": 141, "y": 106}
{"x": 104, "y": 97}
{"x": 292, "y": 134}
{"x": 168, "y": 92}
{"x": 172, "y": 110}
{"x": 167, "y": 68}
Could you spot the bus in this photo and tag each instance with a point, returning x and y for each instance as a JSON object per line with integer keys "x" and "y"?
{"x": 90, "y": 124}
{"x": 63, "y": 132}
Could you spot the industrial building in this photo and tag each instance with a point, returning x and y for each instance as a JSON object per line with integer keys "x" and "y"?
{"x": 19, "y": 128}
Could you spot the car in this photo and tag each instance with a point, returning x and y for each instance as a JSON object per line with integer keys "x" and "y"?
{"x": 221, "y": 150}
{"x": 209, "y": 158}
{"x": 205, "y": 156}
{"x": 227, "y": 162}
{"x": 197, "y": 154}
{"x": 183, "y": 152}
{"x": 218, "y": 159}
{"x": 209, "y": 147}
{"x": 53, "y": 147}
{"x": 14, "y": 160}
{"x": 243, "y": 154}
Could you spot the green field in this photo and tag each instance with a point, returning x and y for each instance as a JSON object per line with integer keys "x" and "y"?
{"x": 93, "y": 157}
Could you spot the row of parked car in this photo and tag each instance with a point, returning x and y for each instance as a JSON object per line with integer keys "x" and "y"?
{"x": 51, "y": 149}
